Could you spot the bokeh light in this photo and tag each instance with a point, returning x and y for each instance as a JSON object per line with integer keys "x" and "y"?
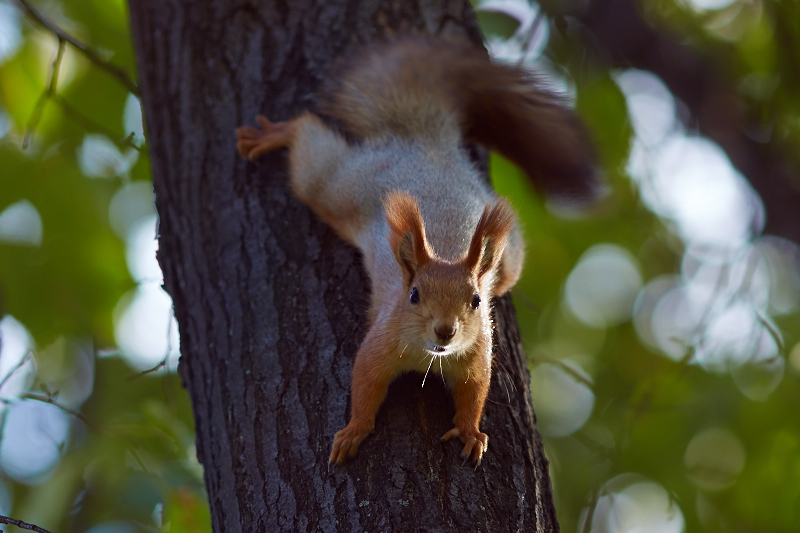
{"x": 38, "y": 432}
{"x": 6, "y": 499}
{"x": 656, "y": 309}
{"x": 10, "y": 35}
{"x": 132, "y": 203}
{"x": 781, "y": 260}
{"x": 132, "y": 119}
{"x": 69, "y": 371}
{"x": 710, "y": 5}
{"x": 529, "y": 39}
{"x": 98, "y": 157}
{"x": 144, "y": 325}
{"x": 630, "y": 503}
{"x": 563, "y": 398}
{"x": 692, "y": 182}
{"x": 145, "y": 328}
{"x": 601, "y": 289}
{"x": 686, "y": 179}
{"x": 20, "y": 223}
{"x": 714, "y": 458}
{"x": 717, "y": 314}
{"x": 17, "y": 366}
{"x": 651, "y": 107}
{"x": 140, "y": 251}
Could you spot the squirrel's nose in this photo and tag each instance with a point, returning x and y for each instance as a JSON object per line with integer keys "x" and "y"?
{"x": 445, "y": 332}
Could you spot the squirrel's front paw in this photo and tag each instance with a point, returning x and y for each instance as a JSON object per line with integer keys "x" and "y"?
{"x": 475, "y": 443}
{"x": 346, "y": 441}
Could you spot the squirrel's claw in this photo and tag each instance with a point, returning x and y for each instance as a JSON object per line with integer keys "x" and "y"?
{"x": 253, "y": 142}
{"x": 475, "y": 444}
{"x": 345, "y": 444}
{"x": 264, "y": 122}
{"x": 450, "y": 434}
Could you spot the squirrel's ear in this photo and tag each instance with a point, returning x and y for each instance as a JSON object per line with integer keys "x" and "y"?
{"x": 489, "y": 239}
{"x": 407, "y": 238}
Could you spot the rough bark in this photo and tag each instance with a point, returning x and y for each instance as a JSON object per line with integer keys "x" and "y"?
{"x": 271, "y": 304}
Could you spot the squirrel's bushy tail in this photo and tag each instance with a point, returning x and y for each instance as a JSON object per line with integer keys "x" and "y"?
{"x": 433, "y": 88}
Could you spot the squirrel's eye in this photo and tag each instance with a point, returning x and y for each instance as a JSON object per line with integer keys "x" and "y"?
{"x": 476, "y": 301}
{"x": 414, "y": 298}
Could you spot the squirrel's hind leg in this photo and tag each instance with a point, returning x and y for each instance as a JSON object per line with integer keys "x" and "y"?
{"x": 318, "y": 169}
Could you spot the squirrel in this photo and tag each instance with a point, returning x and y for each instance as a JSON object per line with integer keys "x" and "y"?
{"x": 396, "y": 180}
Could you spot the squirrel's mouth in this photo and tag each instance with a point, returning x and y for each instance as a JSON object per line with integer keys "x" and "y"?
{"x": 438, "y": 349}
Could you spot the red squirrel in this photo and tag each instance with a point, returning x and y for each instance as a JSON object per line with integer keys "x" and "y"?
{"x": 436, "y": 241}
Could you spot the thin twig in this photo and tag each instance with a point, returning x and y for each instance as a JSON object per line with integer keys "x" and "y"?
{"x": 91, "y": 425}
{"x": 51, "y": 401}
{"x": 49, "y": 94}
{"x": 159, "y": 366}
{"x": 138, "y": 460}
{"x": 132, "y": 444}
{"x": 22, "y": 525}
{"x": 642, "y": 399}
{"x": 163, "y": 363}
{"x": 90, "y": 125}
{"x": 90, "y": 54}
{"x": 49, "y": 91}
{"x": 15, "y": 369}
{"x": 577, "y": 376}
{"x": 167, "y": 384}
{"x": 587, "y": 523}
{"x": 527, "y": 42}
{"x": 522, "y": 297}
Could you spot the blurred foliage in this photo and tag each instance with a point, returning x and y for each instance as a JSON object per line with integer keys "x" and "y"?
{"x": 130, "y": 463}
{"x": 648, "y": 408}
{"x": 133, "y": 467}
{"x": 757, "y": 43}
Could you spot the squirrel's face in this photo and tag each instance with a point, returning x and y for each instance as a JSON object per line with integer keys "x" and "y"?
{"x": 443, "y": 309}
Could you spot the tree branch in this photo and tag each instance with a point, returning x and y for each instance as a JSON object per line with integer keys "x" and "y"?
{"x": 90, "y": 54}
{"x": 156, "y": 368}
{"x": 90, "y": 125}
{"x": 22, "y": 525}
{"x": 51, "y": 401}
{"x": 49, "y": 94}
{"x": 45, "y": 96}
{"x": 47, "y": 398}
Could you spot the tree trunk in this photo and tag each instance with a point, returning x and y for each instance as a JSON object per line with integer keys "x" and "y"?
{"x": 271, "y": 304}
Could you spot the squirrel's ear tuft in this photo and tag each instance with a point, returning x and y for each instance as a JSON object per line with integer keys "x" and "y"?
{"x": 490, "y": 238}
{"x": 407, "y": 238}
